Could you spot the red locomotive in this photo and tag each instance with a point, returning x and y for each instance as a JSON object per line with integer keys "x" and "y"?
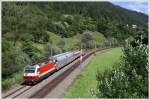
{"x": 35, "y": 72}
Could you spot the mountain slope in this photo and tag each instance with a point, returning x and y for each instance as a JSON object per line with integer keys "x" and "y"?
{"x": 25, "y": 24}
{"x": 104, "y": 10}
{"x": 69, "y": 18}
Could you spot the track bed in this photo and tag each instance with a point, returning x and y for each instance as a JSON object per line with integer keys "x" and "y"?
{"x": 56, "y": 82}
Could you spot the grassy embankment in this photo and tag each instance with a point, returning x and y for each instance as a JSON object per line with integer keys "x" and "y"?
{"x": 69, "y": 43}
{"x": 86, "y": 82}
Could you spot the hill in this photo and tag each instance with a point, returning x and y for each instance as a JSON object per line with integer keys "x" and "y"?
{"x": 69, "y": 18}
{"x": 31, "y": 29}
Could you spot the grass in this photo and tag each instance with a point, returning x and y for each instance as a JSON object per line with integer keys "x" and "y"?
{"x": 86, "y": 82}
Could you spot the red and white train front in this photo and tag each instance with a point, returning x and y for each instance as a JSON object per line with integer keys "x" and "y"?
{"x": 31, "y": 73}
{"x": 34, "y": 72}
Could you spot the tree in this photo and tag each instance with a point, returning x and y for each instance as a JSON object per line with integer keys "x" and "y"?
{"x": 129, "y": 79}
{"x": 13, "y": 58}
{"x": 87, "y": 40}
{"x": 61, "y": 43}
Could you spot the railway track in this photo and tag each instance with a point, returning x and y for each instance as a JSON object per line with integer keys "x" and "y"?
{"x": 17, "y": 92}
{"x": 50, "y": 85}
{"x": 23, "y": 88}
{"x": 21, "y": 92}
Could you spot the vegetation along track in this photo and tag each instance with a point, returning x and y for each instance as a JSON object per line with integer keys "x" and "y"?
{"x": 51, "y": 85}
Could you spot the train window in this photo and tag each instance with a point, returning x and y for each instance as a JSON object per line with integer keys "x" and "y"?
{"x": 29, "y": 71}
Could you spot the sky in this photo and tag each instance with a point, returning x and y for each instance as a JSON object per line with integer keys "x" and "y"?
{"x": 134, "y": 5}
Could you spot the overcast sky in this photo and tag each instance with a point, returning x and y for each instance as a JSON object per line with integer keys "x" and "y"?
{"x": 134, "y": 5}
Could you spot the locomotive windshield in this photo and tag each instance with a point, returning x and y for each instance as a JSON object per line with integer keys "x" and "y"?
{"x": 29, "y": 70}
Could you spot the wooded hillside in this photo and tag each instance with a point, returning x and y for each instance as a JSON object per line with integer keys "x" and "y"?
{"x": 27, "y": 28}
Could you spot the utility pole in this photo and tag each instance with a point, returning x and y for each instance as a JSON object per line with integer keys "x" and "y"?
{"x": 51, "y": 50}
{"x": 95, "y": 45}
{"x": 95, "y": 48}
{"x": 81, "y": 55}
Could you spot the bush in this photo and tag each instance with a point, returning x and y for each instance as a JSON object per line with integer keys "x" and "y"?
{"x": 12, "y": 60}
{"x": 128, "y": 79}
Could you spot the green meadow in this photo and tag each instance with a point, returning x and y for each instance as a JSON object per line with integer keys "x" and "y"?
{"x": 86, "y": 83}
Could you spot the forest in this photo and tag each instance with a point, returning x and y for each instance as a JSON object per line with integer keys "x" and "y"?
{"x": 30, "y": 29}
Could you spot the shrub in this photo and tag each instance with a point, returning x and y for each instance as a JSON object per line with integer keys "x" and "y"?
{"x": 12, "y": 60}
{"x": 128, "y": 79}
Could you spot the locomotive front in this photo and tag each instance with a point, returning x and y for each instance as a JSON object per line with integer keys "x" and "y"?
{"x": 31, "y": 73}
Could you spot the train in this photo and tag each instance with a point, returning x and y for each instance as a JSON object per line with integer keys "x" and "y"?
{"x": 35, "y": 72}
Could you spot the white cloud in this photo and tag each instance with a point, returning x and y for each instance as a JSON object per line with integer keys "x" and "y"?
{"x": 139, "y": 6}
{"x": 134, "y": 5}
